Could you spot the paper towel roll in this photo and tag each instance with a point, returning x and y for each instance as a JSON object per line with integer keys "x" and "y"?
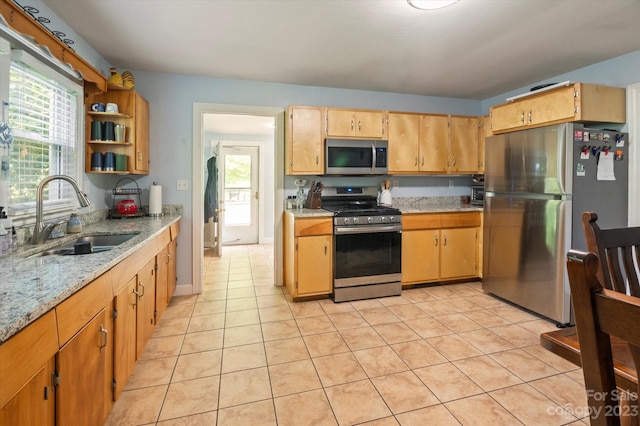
{"x": 155, "y": 199}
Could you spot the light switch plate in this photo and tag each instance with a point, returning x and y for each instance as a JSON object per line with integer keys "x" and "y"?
{"x": 182, "y": 185}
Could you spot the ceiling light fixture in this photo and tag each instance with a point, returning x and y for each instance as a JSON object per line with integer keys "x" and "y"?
{"x": 431, "y": 4}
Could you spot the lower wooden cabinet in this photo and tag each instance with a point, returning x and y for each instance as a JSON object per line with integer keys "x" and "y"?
{"x": 420, "y": 255}
{"x": 146, "y": 311}
{"x": 172, "y": 279}
{"x": 68, "y": 366}
{"x": 125, "y": 304}
{"x": 162, "y": 281}
{"x": 314, "y": 265}
{"x": 308, "y": 255}
{"x": 34, "y": 404}
{"x": 438, "y": 247}
{"x": 459, "y": 252}
{"x": 84, "y": 371}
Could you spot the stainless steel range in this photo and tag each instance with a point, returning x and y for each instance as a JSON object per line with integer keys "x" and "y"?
{"x": 367, "y": 244}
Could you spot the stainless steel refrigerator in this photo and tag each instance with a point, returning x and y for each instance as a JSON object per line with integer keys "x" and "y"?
{"x": 537, "y": 184}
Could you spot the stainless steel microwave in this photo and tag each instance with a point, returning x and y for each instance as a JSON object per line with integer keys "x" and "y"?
{"x": 356, "y": 157}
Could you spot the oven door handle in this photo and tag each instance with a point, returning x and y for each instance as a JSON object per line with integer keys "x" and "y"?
{"x": 341, "y": 230}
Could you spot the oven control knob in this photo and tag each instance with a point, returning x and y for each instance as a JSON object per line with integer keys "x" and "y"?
{"x": 345, "y": 220}
{"x": 391, "y": 219}
{"x": 356, "y": 220}
{"x": 383, "y": 219}
{"x": 369, "y": 219}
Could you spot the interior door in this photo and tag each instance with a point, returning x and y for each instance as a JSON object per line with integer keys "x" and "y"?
{"x": 239, "y": 181}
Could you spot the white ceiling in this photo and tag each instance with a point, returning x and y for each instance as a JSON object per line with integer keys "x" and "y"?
{"x": 475, "y": 49}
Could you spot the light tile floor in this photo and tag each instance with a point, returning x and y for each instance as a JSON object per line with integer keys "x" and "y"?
{"x": 241, "y": 354}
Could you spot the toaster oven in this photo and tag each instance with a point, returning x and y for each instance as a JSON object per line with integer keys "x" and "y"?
{"x": 477, "y": 195}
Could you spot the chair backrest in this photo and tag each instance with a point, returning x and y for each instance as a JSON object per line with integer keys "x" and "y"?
{"x": 599, "y": 314}
{"x": 617, "y": 249}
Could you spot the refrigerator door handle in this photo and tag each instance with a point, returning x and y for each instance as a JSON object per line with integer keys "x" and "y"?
{"x": 527, "y": 195}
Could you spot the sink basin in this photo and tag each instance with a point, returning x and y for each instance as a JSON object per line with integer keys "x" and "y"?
{"x": 92, "y": 244}
{"x": 105, "y": 240}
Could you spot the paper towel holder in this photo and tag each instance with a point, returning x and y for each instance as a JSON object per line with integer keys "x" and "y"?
{"x": 155, "y": 200}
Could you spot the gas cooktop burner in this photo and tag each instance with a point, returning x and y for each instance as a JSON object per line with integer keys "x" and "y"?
{"x": 340, "y": 211}
{"x": 357, "y": 202}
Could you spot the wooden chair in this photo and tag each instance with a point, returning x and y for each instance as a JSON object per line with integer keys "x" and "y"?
{"x": 618, "y": 251}
{"x": 599, "y": 314}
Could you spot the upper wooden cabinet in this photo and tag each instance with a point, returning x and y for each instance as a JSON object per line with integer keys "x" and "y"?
{"x": 484, "y": 131}
{"x": 356, "y": 123}
{"x": 432, "y": 143}
{"x": 304, "y": 152}
{"x": 463, "y": 144}
{"x": 576, "y": 102}
{"x": 404, "y": 141}
{"x": 133, "y": 113}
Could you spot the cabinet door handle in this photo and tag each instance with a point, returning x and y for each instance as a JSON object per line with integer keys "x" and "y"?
{"x": 422, "y": 161}
{"x": 139, "y": 155}
{"x": 454, "y": 161}
{"x": 105, "y": 336}
{"x": 135, "y": 299}
{"x": 522, "y": 117}
{"x": 141, "y": 285}
{"x": 530, "y": 116}
{"x": 317, "y": 160}
{"x": 325, "y": 248}
{"x": 416, "y": 161}
{"x": 359, "y": 125}
{"x": 352, "y": 124}
{"x": 444, "y": 240}
{"x": 436, "y": 238}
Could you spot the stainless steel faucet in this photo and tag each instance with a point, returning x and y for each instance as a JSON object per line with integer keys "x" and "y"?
{"x": 41, "y": 231}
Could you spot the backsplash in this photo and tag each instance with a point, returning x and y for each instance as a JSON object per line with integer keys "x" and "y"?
{"x": 431, "y": 201}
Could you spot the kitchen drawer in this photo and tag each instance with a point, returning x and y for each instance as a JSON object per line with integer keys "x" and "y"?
{"x": 314, "y": 226}
{"x": 24, "y": 354}
{"x": 461, "y": 220}
{"x": 75, "y": 312}
{"x": 421, "y": 221}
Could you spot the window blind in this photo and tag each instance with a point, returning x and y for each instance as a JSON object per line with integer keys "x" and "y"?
{"x": 43, "y": 114}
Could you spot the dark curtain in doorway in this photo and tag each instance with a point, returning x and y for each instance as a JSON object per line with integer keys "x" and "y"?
{"x": 211, "y": 191}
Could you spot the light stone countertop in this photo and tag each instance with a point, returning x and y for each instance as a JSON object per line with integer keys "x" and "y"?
{"x": 406, "y": 206}
{"x": 30, "y": 287}
{"x": 436, "y": 208}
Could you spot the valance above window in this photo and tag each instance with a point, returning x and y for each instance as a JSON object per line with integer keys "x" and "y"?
{"x": 21, "y": 22}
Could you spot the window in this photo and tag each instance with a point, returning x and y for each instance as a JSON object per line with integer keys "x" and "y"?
{"x": 44, "y": 114}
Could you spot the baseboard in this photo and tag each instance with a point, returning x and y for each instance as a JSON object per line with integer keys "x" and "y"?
{"x": 183, "y": 290}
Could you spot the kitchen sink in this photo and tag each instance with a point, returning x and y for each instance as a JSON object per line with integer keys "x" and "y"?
{"x": 105, "y": 240}
{"x": 86, "y": 245}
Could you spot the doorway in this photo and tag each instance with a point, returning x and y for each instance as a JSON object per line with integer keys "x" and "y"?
{"x": 240, "y": 193}
{"x": 271, "y": 167}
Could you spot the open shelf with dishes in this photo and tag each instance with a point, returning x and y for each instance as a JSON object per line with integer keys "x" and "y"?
{"x": 123, "y": 130}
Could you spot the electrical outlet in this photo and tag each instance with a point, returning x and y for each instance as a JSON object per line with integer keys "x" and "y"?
{"x": 450, "y": 183}
{"x": 395, "y": 184}
{"x": 182, "y": 185}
